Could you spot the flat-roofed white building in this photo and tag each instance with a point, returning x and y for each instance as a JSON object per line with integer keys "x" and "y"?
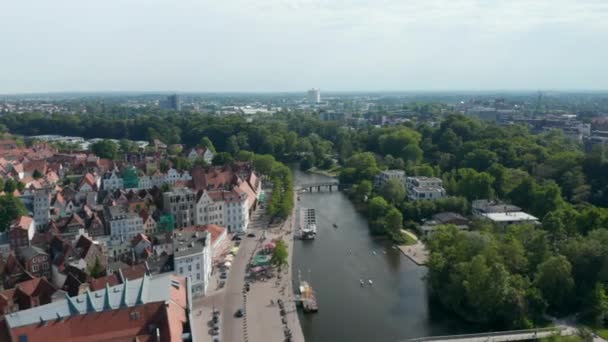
{"x": 424, "y": 188}
{"x": 509, "y": 218}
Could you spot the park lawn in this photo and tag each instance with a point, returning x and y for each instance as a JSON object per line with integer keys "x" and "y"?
{"x": 563, "y": 339}
{"x": 602, "y": 332}
{"x": 332, "y": 172}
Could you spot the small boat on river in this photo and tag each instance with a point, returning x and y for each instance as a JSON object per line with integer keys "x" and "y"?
{"x": 361, "y": 282}
{"x": 335, "y": 225}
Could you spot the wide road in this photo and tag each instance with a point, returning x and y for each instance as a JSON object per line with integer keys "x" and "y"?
{"x": 235, "y": 329}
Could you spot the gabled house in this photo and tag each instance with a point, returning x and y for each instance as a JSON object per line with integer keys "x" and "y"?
{"x": 25, "y": 295}
{"x": 142, "y": 247}
{"x": 35, "y": 261}
{"x": 21, "y": 232}
{"x": 89, "y": 251}
{"x": 112, "y": 180}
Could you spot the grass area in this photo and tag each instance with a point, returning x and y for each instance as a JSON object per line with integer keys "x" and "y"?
{"x": 403, "y": 238}
{"x": 333, "y": 172}
{"x": 563, "y": 339}
{"x": 602, "y": 332}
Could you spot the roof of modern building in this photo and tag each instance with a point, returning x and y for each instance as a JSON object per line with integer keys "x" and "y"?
{"x": 187, "y": 243}
{"x": 510, "y": 216}
{"x": 494, "y": 206}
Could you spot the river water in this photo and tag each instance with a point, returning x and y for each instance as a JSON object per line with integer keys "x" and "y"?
{"x": 394, "y": 308}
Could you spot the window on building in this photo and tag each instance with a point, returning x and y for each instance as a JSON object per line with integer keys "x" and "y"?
{"x": 181, "y": 270}
{"x": 189, "y": 268}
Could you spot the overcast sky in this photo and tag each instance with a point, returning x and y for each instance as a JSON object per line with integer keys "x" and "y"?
{"x": 293, "y": 45}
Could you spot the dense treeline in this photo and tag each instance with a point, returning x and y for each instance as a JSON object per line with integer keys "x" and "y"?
{"x": 501, "y": 277}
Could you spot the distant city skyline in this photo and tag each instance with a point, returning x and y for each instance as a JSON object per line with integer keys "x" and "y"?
{"x": 293, "y": 45}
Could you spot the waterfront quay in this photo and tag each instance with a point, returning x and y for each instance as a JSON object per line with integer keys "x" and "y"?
{"x": 264, "y": 319}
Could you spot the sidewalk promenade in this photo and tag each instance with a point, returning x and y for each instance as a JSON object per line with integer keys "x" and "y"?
{"x": 264, "y": 322}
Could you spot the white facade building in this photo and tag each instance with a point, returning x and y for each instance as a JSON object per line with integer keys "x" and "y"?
{"x": 192, "y": 258}
{"x": 181, "y": 204}
{"x": 226, "y": 208}
{"x": 204, "y": 153}
{"x": 42, "y": 207}
{"x": 124, "y": 226}
{"x": 112, "y": 181}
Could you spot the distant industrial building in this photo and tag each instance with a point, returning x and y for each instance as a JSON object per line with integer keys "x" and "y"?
{"x": 314, "y": 96}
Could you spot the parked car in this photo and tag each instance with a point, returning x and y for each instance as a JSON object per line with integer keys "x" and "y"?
{"x": 236, "y": 238}
{"x": 239, "y": 313}
{"x": 251, "y": 235}
{"x": 224, "y": 275}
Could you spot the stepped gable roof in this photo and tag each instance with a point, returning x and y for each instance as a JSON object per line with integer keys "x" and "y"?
{"x": 88, "y": 179}
{"x": 22, "y": 222}
{"x": 33, "y": 165}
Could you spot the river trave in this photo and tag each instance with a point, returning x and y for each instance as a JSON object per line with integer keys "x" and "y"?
{"x": 394, "y": 308}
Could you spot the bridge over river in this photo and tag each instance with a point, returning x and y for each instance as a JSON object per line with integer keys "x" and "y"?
{"x": 319, "y": 186}
{"x": 514, "y": 335}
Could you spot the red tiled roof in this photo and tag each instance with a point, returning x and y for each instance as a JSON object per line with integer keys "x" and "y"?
{"x": 36, "y": 287}
{"x": 133, "y": 272}
{"x": 100, "y": 283}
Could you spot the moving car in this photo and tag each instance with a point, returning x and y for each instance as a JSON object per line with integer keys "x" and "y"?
{"x": 239, "y": 313}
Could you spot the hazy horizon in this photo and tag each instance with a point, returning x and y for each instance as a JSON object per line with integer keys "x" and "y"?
{"x": 289, "y": 46}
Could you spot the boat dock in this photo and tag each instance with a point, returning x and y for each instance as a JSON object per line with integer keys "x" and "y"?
{"x": 308, "y": 297}
{"x": 308, "y": 224}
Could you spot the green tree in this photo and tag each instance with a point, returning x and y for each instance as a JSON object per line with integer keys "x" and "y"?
{"x": 394, "y": 222}
{"x": 597, "y": 306}
{"x": 10, "y": 208}
{"x": 127, "y": 146}
{"x": 37, "y": 174}
{"x": 378, "y": 207}
{"x": 222, "y": 158}
{"x": 105, "y": 149}
{"x": 554, "y": 279}
{"x": 393, "y": 191}
{"x": 232, "y": 146}
{"x": 363, "y": 190}
{"x": 10, "y": 185}
{"x": 280, "y": 254}
{"x": 97, "y": 270}
{"x": 244, "y": 156}
{"x": 263, "y": 163}
{"x": 206, "y": 143}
